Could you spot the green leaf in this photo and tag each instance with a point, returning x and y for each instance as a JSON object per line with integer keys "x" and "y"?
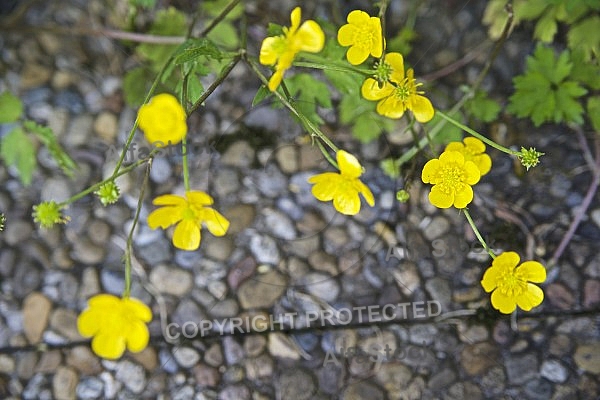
{"x": 546, "y": 27}
{"x": 585, "y": 35}
{"x": 449, "y": 132}
{"x": 482, "y": 107}
{"x": 169, "y": 22}
{"x": 309, "y": 93}
{"x": 194, "y": 88}
{"x": 198, "y": 49}
{"x": 143, "y": 3}
{"x": 586, "y": 73}
{"x": 48, "y": 139}
{"x": 262, "y": 93}
{"x": 214, "y": 7}
{"x": 18, "y": 150}
{"x": 11, "y": 108}
{"x": 544, "y": 62}
{"x": 593, "y": 112}
{"x": 274, "y": 29}
{"x": 136, "y": 84}
{"x": 390, "y": 167}
{"x": 225, "y": 35}
{"x": 366, "y": 128}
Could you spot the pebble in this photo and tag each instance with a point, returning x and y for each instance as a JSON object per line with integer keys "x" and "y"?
{"x": 131, "y": 375}
{"x": 106, "y": 126}
{"x": 86, "y": 252}
{"x": 262, "y": 291}
{"x": 36, "y": 312}
{"x": 591, "y": 293}
{"x": 206, "y": 376}
{"x": 34, "y": 75}
{"x": 49, "y": 362}
{"x": 226, "y": 182}
{"x": 240, "y": 217}
{"x": 297, "y": 383}
{"x": 171, "y": 280}
{"x": 439, "y": 290}
{"x": 218, "y": 248}
{"x": 235, "y": 392}
{"x": 64, "y": 322}
{"x": 161, "y": 170}
{"x": 64, "y": 383}
{"x": 17, "y": 231}
{"x": 282, "y": 346}
{"x": 186, "y": 357}
{"x": 436, "y": 228}
{"x": 79, "y": 130}
{"x": 394, "y": 377}
{"x": 478, "y": 358}
{"x": 521, "y": 369}
{"x": 89, "y": 388}
{"x": 559, "y": 296}
{"x": 587, "y": 357}
{"x": 554, "y": 371}
{"x": 83, "y": 360}
{"x": 239, "y": 154}
{"x": 260, "y": 367}
{"x": 362, "y": 390}
{"x": 321, "y": 285}
{"x": 214, "y": 355}
{"x": 264, "y": 248}
{"x": 278, "y": 224}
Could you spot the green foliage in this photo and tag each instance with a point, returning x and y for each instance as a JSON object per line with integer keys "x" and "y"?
{"x": 449, "y": 133}
{"x": 17, "y": 149}
{"x": 49, "y": 140}
{"x": 136, "y": 84}
{"x": 169, "y": 22}
{"x": 195, "y": 50}
{"x": 11, "y": 108}
{"x": 482, "y": 107}
{"x": 390, "y": 167}
{"x": 588, "y": 73}
{"x": 143, "y": 3}
{"x": 544, "y": 93}
{"x": 309, "y": 93}
{"x": 402, "y": 42}
{"x": 225, "y": 34}
{"x": 585, "y": 35}
{"x": 593, "y": 111}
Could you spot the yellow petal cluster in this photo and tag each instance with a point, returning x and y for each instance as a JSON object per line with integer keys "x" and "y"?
{"x": 281, "y": 50}
{"x": 473, "y": 149}
{"x": 451, "y": 177}
{"x": 163, "y": 120}
{"x": 363, "y": 34}
{"x": 510, "y": 283}
{"x": 115, "y": 324}
{"x": 188, "y": 214}
{"x": 343, "y": 187}
{"x": 399, "y": 92}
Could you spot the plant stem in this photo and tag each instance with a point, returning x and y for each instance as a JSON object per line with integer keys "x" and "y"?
{"x": 318, "y": 62}
{"x": 477, "y": 233}
{"x": 186, "y": 172}
{"x": 478, "y": 135}
{"x": 129, "y": 247}
{"x": 219, "y": 17}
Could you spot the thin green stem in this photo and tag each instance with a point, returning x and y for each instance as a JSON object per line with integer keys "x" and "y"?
{"x": 310, "y": 127}
{"x": 477, "y": 233}
{"x": 478, "y": 135}
{"x": 327, "y": 155}
{"x": 219, "y": 17}
{"x": 318, "y": 62}
{"x": 129, "y": 247}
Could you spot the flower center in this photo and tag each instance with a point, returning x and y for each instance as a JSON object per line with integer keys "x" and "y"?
{"x": 450, "y": 177}
{"x": 383, "y": 71}
{"x": 363, "y": 38}
{"x": 511, "y": 285}
{"x": 188, "y": 214}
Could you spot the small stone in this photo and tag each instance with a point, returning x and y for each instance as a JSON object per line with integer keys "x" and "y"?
{"x": 78, "y": 133}
{"x": 287, "y": 158}
{"x": 560, "y": 296}
{"x": 206, "y": 376}
{"x": 218, "y": 248}
{"x": 235, "y": 392}
{"x": 239, "y": 154}
{"x": 554, "y": 371}
{"x": 64, "y": 321}
{"x": 439, "y": 290}
{"x": 240, "y": 272}
{"x": 463, "y": 390}
{"x": 521, "y": 369}
{"x": 278, "y": 224}
{"x": 171, "y": 280}
{"x": 322, "y": 261}
{"x": 49, "y": 362}
{"x": 310, "y": 158}
{"x": 34, "y": 75}
{"x": 394, "y": 377}
{"x": 493, "y": 382}
{"x": 478, "y": 357}
{"x": 147, "y": 358}
{"x": 587, "y": 357}
{"x": 407, "y": 277}
{"x": 441, "y": 380}
{"x": 86, "y": 252}
{"x": 64, "y": 383}
{"x": 90, "y": 388}
{"x": 261, "y": 292}
{"x": 98, "y": 231}
{"x": 226, "y": 182}
{"x": 560, "y": 345}
{"x": 297, "y": 383}
{"x": 591, "y": 293}
{"x": 83, "y": 360}
{"x": 161, "y": 170}
{"x": 233, "y": 351}
{"x": 254, "y": 345}
{"x": 36, "y": 311}
{"x": 260, "y": 367}
{"x": 322, "y": 286}
{"x": 186, "y": 357}
{"x": 436, "y": 228}
{"x": 264, "y": 249}
{"x": 280, "y": 345}
{"x": 17, "y": 232}
{"x": 362, "y": 390}
{"x": 131, "y": 375}
{"x": 90, "y": 284}
{"x": 7, "y": 364}
{"x": 240, "y": 217}
{"x": 214, "y": 356}
{"x": 106, "y": 126}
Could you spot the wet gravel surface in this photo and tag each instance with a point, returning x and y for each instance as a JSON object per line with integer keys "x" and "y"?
{"x": 285, "y": 251}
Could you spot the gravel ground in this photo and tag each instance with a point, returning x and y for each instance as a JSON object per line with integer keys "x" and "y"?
{"x": 286, "y": 252}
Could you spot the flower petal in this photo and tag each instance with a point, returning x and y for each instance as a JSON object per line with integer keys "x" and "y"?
{"x": 452, "y": 157}
{"x": 390, "y": 107}
{"x": 422, "y": 108}
{"x": 216, "y": 223}
{"x": 532, "y": 271}
{"x": 275, "y": 80}
{"x": 310, "y": 37}
{"x": 169, "y": 200}
{"x": 295, "y": 18}
{"x": 88, "y": 323}
{"x": 357, "y": 55}
{"x": 473, "y": 173}
{"x": 199, "y": 198}
{"x": 186, "y": 235}
{"x": 455, "y": 146}
{"x": 164, "y": 217}
{"x": 483, "y": 163}
{"x": 503, "y": 303}
{"x": 349, "y": 165}
{"x": 370, "y": 90}
{"x": 137, "y": 336}
{"x": 430, "y": 171}
{"x": 138, "y": 309}
{"x": 474, "y": 145}
{"x": 439, "y": 198}
{"x": 358, "y": 17}
{"x": 325, "y": 185}
{"x": 463, "y": 196}
{"x": 378, "y": 41}
{"x": 345, "y": 35}
{"x": 108, "y": 345}
{"x": 506, "y": 261}
{"x": 347, "y": 202}
{"x": 491, "y": 278}
{"x": 532, "y": 297}
{"x": 396, "y": 61}
{"x": 365, "y": 191}
{"x": 268, "y": 50}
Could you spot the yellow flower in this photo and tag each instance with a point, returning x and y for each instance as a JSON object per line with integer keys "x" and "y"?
{"x": 399, "y": 92}
{"x": 188, "y": 213}
{"x": 451, "y": 177}
{"x": 342, "y": 187}
{"x": 163, "y": 120}
{"x": 363, "y": 34}
{"x": 473, "y": 149}
{"x": 282, "y": 49}
{"x": 510, "y": 285}
{"x": 115, "y": 323}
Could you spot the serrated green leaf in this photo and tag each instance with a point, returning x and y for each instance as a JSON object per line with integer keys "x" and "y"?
{"x": 366, "y": 128}
{"x": 50, "y": 141}
{"x": 194, "y": 89}
{"x": 11, "y": 108}
{"x": 586, "y": 73}
{"x": 593, "y": 112}
{"x": 169, "y": 22}
{"x": 482, "y": 107}
{"x": 18, "y": 150}
{"x": 136, "y": 84}
{"x": 309, "y": 93}
{"x": 225, "y": 35}
{"x": 585, "y": 35}
{"x": 544, "y": 62}
{"x": 198, "y": 49}
{"x": 262, "y": 93}
{"x": 546, "y": 28}
{"x": 567, "y": 107}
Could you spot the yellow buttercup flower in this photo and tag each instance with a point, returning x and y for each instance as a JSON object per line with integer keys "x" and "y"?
{"x": 451, "y": 177}
{"x": 163, "y": 120}
{"x": 510, "y": 284}
{"x": 187, "y": 214}
{"x": 473, "y": 149}
{"x": 343, "y": 187}
{"x": 399, "y": 92}
{"x": 363, "y": 34}
{"x": 115, "y": 323}
{"x": 282, "y": 49}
